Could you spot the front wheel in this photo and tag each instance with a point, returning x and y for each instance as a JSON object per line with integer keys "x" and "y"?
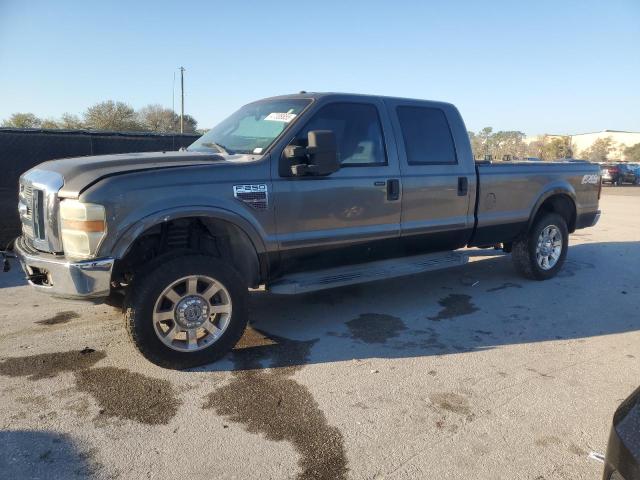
{"x": 540, "y": 253}
{"x": 186, "y": 312}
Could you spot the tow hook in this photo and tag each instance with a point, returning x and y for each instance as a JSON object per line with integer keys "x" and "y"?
{"x": 6, "y": 266}
{"x": 6, "y": 255}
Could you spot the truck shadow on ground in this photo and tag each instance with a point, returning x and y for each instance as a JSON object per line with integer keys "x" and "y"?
{"x": 42, "y": 454}
{"x": 480, "y": 306}
{"x": 14, "y": 278}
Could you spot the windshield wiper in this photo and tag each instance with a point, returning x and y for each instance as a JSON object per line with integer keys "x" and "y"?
{"x": 221, "y": 148}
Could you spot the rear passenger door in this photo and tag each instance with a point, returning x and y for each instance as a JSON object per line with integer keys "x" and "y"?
{"x": 437, "y": 182}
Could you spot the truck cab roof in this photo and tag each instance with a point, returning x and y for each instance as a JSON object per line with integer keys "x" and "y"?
{"x": 345, "y": 96}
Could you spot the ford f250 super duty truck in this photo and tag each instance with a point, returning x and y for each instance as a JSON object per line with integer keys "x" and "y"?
{"x": 297, "y": 193}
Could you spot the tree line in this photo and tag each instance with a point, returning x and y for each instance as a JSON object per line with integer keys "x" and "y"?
{"x": 110, "y": 115}
{"x": 511, "y": 145}
{"x": 501, "y": 145}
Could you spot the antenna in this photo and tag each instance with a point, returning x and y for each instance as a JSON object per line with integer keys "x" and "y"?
{"x": 181, "y": 99}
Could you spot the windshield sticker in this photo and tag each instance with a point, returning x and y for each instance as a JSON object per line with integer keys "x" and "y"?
{"x": 257, "y": 150}
{"x": 280, "y": 117}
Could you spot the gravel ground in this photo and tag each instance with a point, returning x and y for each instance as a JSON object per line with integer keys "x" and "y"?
{"x": 469, "y": 373}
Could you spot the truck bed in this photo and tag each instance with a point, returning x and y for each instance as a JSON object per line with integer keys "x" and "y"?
{"x": 508, "y": 193}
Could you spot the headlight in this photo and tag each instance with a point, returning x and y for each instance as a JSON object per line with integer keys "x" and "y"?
{"x": 82, "y": 227}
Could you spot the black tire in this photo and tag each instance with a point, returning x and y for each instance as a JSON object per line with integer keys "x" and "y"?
{"x": 148, "y": 286}
{"x": 524, "y": 248}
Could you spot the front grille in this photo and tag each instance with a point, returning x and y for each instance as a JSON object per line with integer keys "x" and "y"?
{"x": 38, "y": 206}
{"x": 38, "y": 214}
{"x": 25, "y": 207}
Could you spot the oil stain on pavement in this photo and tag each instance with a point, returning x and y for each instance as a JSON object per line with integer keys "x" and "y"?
{"x": 454, "y": 305}
{"x": 274, "y": 404}
{"x": 129, "y": 395}
{"x": 119, "y": 392}
{"x": 451, "y": 402}
{"x": 62, "y": 317}
{"x": 504, "y": 286}
{"x": 47, "y": 365}
{"x": 375, "y": 327}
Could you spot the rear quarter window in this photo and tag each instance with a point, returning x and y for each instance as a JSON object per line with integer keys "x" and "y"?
{"x": 427, "y": 136}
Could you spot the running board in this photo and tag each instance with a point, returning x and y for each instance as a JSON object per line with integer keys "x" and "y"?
{"x": 369, "y": 272}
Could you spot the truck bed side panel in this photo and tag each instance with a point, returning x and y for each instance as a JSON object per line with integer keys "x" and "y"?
{"x": 510, "y": 194}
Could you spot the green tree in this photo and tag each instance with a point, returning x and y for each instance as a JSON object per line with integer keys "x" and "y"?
{"x": 22, "y": 120}
{"x": 49, "y": 123}
{"x": 556, "y": 148}
{"x": 69, "y": 121}
{"x": 632, "y": 153}
{"x": 504, "y": 144}
{"x": 476, "y": 145}
{"x": 599, "y": 150}
{"x": 190, "y": 124}
{"x": 535, "y": 147}
{"x": 110, "y": 115}
{"x": 159, "y": 119}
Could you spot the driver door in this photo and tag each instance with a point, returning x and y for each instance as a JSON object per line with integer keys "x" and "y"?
{"x": 352, "y": 215}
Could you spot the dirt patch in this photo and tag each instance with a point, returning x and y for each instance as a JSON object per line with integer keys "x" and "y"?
{"x": 58, "y": 318}
{"x": 576, "y": 450}
{"x": 129, "y": 395}
{"x": 252, "y": 338}
{"x": 270, "y": 402}
{"x": 375, "y": 327}
{"x": 548, "y": 440}
{"x": 542, "y": 374}
{"x": 504, "y": 286}
{"x": 572, "y": 267}
{"x": 452, "y": 402}
{"x": 454, "y": 305}
{"x": 48, "y": 365}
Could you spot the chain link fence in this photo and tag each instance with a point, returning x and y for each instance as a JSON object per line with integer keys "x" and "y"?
{"x": 21, "y": 149}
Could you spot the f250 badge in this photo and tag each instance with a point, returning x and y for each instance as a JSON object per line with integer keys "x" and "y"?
{"x": 255, "y": 195}
{"x": 593, "y": 178}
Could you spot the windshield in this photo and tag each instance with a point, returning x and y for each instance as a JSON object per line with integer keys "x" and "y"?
{"x": 252, "y": 129}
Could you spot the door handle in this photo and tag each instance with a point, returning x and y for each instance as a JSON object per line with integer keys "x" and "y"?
{"x": 393, "y": 189}
{"x": 463, "y": 186}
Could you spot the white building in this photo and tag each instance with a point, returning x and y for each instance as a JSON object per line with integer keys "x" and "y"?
{"x": 620, "y": 139}
{"x": 582, "y": 141}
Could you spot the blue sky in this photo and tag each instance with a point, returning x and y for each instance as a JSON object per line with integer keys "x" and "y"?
{"x": 537, "y": 66}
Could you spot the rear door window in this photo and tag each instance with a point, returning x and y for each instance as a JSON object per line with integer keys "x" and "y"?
{"x": 427, "y": 136}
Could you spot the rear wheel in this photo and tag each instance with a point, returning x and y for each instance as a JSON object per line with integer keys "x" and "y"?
{"x": 540, "y": 254}
{"x": 186, "y": 312}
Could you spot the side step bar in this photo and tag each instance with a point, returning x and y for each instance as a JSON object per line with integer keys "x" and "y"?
{"x": 379, "y": 270}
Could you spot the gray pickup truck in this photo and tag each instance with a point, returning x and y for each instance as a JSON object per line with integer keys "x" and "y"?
{"x": 297, "y": 193}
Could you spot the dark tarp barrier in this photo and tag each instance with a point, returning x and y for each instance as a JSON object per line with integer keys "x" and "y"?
{"x": 21, "y": 149}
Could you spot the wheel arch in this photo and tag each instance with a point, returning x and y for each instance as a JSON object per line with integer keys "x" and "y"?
{"x": 236, "y": 238}
{"x": 561, "y": 200}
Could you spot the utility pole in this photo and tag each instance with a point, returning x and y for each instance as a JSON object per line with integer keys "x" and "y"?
{"x": 182, "y": 99}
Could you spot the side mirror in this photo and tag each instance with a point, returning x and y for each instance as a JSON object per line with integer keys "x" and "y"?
{"x": 321, "y": 154}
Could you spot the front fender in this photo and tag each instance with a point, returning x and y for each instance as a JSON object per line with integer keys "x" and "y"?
{"x": 119, "y": 246}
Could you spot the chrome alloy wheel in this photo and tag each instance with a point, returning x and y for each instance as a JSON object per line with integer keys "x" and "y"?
{"x": 549, "y": 247}
{"x": 192, "y": 313}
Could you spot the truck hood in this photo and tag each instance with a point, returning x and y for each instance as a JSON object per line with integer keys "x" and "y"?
{"x": 81, "y": 172}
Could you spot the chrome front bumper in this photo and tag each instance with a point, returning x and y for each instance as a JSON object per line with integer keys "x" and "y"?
{"x": 57, "y": 276}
